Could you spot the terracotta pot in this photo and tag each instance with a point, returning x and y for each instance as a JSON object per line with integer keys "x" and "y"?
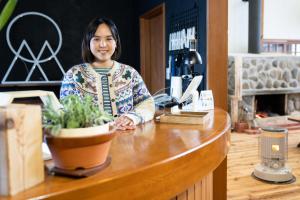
{"x": 80, "y": 152}
{"x": 84, "y": 132}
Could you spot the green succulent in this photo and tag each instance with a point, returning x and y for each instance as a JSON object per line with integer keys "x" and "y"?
{"x": 76, "y": 113}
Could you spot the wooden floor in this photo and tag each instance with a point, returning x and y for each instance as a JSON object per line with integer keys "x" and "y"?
{"x": 243, "y": 156}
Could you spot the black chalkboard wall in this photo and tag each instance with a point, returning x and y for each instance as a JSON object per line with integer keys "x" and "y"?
{"x": 176, "y": 8}
{"x": 72, "y": 17}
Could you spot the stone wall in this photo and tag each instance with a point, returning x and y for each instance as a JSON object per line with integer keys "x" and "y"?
{"x": 271, "y": 73}
{"x": 251, "y": 74}
{"x": 293, "y": 103}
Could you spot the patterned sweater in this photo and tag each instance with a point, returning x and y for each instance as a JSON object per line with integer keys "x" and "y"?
{"x": 128, "y": 92}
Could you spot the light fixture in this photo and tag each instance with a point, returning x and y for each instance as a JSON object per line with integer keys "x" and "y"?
{"x": 193, "y": 56}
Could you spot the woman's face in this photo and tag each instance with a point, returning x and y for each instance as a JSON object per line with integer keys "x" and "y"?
{"x": 103, "y": 45}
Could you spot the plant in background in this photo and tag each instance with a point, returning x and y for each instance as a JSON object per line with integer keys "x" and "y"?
{"x": 76, "y": 113}
{"x": 7, "y": 12}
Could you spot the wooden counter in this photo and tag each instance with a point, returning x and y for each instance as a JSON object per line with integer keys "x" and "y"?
{"x": 155, "y": 161}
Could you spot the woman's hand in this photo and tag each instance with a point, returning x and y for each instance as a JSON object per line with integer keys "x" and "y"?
{"x": 124, "y": 123}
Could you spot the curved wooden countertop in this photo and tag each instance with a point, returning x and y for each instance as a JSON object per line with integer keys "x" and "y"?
{"x": 155, "y": 160}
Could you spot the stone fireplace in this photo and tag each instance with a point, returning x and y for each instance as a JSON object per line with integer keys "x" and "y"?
{"x": 261, "y": 84}
{"x": 270, "y": 105}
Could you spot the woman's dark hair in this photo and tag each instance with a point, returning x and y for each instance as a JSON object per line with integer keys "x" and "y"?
{"x": 86, "y": 53}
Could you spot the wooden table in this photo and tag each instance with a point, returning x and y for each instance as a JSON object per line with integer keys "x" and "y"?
{"x": 155, "y": 161}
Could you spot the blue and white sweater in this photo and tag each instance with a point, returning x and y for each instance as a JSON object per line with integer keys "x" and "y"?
{"x": 128, "y": 92}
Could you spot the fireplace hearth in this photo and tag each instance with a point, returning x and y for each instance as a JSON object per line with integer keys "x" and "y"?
{"x": 267, "y": 85}
{"x": 270, "y": 105}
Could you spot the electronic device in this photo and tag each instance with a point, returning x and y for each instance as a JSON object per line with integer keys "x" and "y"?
{"x": 164, "y": 100}
{"x": 161, "y": 98}
{"x": 193, "y": 86}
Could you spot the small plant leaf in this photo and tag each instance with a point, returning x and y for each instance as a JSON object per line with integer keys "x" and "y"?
{"x": 7, "y": 12}
{"x": 77, "y": 112}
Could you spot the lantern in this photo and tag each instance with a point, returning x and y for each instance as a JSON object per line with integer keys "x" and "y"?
{"x": 273, "y": 148}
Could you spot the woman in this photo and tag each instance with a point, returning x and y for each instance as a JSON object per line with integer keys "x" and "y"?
{"x": 117, "y": 88}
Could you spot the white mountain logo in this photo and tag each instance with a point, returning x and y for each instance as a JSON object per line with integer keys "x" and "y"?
{"x": 35, "y": 60}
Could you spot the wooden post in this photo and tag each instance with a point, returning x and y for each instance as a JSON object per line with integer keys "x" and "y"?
{"x": 217, "y": 50}
{"x": 237, "y": 96}
{"x": 21, "y": 162}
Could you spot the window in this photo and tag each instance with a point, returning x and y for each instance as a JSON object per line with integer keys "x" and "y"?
{"x": 281, "y": 46}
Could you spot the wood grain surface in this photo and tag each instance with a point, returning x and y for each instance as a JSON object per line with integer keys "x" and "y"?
{"x": 155, "y": 161}
{"x": 242, "y": 158}
{"x": 21, "y": 160}
{"x": 217, "y": 50}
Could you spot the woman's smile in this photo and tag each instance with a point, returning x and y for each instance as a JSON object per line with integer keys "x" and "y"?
{"x": 103, "y": 45}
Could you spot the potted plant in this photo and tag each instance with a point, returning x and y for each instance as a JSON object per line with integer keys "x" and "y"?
{"x": 78, "y": 134}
